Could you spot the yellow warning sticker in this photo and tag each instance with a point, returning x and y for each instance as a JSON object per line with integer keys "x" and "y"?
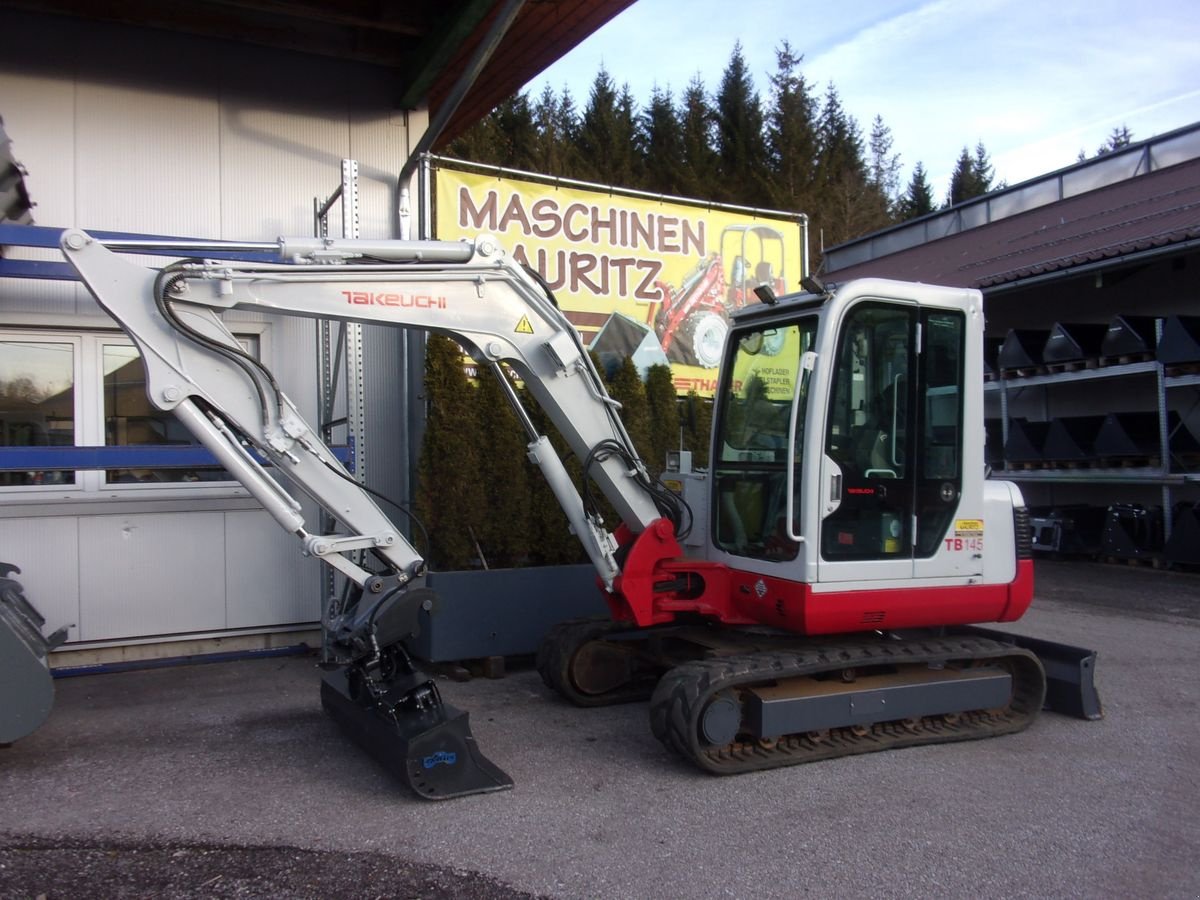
{"x": 523, "y": 327}
{"x": 968, "y": 527}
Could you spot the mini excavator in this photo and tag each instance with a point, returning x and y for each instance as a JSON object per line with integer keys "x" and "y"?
{"x": 814, "y": 593}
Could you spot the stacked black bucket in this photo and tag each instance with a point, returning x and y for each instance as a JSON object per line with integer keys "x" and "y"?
{"x": 1113, "y": 440}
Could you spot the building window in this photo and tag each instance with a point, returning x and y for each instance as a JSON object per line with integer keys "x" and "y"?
{"x": 37, "y": 403}
{"x": 130, "y": 419}
{"x": 48, "y": 400}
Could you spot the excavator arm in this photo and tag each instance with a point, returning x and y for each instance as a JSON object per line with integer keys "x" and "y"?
{"x": 470, "y": 291}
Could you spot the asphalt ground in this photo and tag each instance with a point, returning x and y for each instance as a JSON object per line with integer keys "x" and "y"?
{"x": 228, "y": 781}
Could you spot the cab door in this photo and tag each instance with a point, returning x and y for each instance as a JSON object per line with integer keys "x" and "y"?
{"x": 867, "y": 481}
{"x": 892, "y": 467}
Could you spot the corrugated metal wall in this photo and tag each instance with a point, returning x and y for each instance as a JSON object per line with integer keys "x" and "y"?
{"x": 143, "y": 131}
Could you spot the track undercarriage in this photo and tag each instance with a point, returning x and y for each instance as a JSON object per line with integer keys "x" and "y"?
{"x": 741, "y": 700}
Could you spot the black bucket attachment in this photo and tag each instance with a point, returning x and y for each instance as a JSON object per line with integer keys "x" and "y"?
{"x": 1132, "y": 531}
{"x": 1070, "y": 672}
{"x": 26, "y": 686}
{"x": 1021, "y": 351}
{"x": 991, "y": 354}
{"x": 1183, "y": 546}
{"x": 1070, "y": 439}
{"x": 1129, "y": 339}
{"x": 1073, "y": 530}
{"x": 1077, "y": 342}
{"x": 1025, "y": 440}
{"x": 430, "y": 748}
{"x": 993, "y": 447}
{"x": 1180, "y": 341}
{"x": 621, "y": 337}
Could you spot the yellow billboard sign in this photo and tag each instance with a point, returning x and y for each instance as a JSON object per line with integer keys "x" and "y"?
{"x": 651, "y": 278}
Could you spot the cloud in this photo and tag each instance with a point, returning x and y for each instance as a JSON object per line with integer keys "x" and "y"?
{"x": 1036, "y": 82}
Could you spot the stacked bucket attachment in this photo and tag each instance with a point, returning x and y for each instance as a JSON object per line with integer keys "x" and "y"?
{"x": 1074, "y": 343}
{"x": 1183, "y": 546}
{"x": 1129, "y": 339}
{"x": 26, "y": 686}
{"x": 1071, "y": 530}
{"x": 1021, "y": 352}
{"x": 1132, "y": 531}
{"x": 386, "y": 704}
{"x": 1025, "y": 441}
{"x": 1180, "y": 342}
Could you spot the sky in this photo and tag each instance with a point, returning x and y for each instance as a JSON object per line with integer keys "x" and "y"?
{"x": 1036, "y": 82}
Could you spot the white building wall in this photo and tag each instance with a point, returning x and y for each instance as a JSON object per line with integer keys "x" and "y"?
{"x": 125, "y": 129}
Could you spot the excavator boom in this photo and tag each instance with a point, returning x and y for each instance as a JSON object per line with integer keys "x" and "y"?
{"x": 231, "y": 403}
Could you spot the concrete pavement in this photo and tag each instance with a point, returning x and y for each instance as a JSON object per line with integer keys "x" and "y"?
{"x": 240, "y": 755}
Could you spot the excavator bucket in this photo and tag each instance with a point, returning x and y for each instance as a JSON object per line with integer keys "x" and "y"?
{"x": 431, "y": 750}
{"x": 26, "y": 687}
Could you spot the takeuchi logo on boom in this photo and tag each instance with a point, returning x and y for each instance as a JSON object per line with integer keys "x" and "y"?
{"x": 623, "y": 246}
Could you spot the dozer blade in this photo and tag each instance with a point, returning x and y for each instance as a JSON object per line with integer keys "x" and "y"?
{"x": 430, "y": 750}
{"x": 1070, "y": 671}
{"x": 26, "y": 687}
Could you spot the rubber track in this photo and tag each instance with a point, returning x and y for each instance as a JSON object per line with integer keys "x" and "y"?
{"x": 558, "y": 649}
{"x": 682, "y": 694}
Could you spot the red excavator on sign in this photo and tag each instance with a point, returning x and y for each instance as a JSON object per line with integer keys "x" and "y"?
{"x": 692, "y": 322}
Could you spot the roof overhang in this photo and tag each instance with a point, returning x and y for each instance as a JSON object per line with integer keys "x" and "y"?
{"x": 426, "y": 43}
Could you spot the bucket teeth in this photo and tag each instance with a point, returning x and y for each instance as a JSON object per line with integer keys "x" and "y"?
{"x": 430, "y": 749}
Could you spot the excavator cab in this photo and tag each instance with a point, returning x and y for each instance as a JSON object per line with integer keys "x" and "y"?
{"x": 867, "y": 481}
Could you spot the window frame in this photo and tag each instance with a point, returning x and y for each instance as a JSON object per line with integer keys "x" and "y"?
{"x": 88, "y": 371}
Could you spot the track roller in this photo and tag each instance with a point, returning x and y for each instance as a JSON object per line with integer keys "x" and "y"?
{"x": 588, "y": 663}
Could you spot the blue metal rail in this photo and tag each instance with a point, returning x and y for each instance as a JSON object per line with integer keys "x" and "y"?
{"x": 144, "y": 456}
{"x": 46, "y": 237}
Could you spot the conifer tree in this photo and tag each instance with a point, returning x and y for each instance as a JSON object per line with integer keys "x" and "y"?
{"x": 843, "y": 178}
{"x": 479, "y": 143}
{"x": 918, "y": 197}
{"x": 504, "y": 529}
{"x": 517, "y": 133}
{"x": 972, "y": 176}
{"x": 662, "y": 405}
{"x": 551, "y": 542}
{"x": 741, "y": 145}
{"x": 884, "y": 174}
{"x": 663, "y": 144}
{"x": 626, "y": 388}
{"x": 985, "y": 172}
{"x": 698, "y": 177}
{"x": 556, "y": 142}
{"x": 607, "y": 137}
{"x": 629, "y": 121}
{"x": 448, "y": 475}
{"x": 696, "y": 416}
{"x": 962, "y": 179}
{"x": 1117, "y": 138}
{"x": 791, "y": 135}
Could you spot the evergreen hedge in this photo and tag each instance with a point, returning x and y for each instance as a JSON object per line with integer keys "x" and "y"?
{"x": 478, "y": 495}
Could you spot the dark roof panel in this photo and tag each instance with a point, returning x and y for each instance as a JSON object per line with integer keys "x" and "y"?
{"x": 1141, "y": 213}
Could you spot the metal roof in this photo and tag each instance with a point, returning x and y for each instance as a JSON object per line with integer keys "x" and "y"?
{"x": 427, "y": 43}
{"x": 1029, "y": 232}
